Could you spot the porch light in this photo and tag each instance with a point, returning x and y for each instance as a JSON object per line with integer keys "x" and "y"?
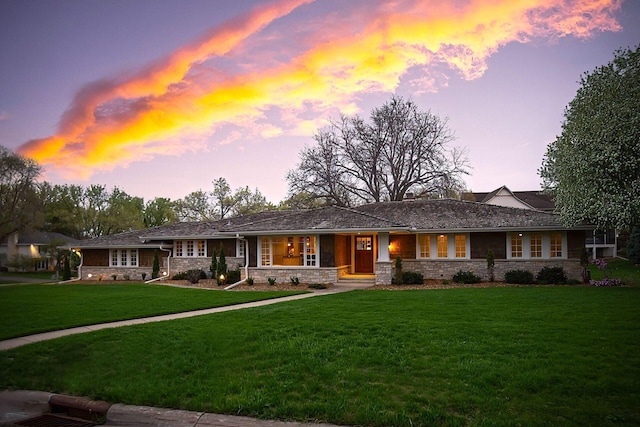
{"x": 90, "y": 275}
{"x": 222, "y": 277}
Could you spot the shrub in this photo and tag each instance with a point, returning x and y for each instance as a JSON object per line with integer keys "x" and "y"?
{"x": 317, "y": 286}
{"x": 271, "y": 281}
{"x": 155, "y": 271}
{"x": 126, "y": 277}
{"x": 114, "y": 276}
{"x": 521, "y": 277}
{"x": 233, "y": 276}
{"x": 551, "y": 276}
{"x": 294, "y": 281}
{"x": 66, "y": 269}
{"x": 466, "y": 277}
{"x": 144, "y": 275}
{"x": 397, "y": 279}
{"x": 633, "y": 245}
{"x": 250, "y": 281}
{"x": 412, "y": 278}
{"x": 445, "y": 282}
{"x": 193, "y": 276}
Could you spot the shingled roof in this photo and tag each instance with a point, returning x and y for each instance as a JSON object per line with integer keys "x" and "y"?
{"x": 439, "y": 215}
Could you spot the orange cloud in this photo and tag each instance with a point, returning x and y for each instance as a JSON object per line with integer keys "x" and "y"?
{"x": 118, "y": 121}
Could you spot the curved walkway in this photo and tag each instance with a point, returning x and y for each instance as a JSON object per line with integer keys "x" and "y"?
{"x": 16, "y": 405}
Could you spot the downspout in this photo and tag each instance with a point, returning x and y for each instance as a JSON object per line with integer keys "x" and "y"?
{"x": 168, "y": 267}
{"x": 246, "y": 264}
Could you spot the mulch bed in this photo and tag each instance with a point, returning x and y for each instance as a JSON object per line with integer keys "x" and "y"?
{"x": 212, "y": 284}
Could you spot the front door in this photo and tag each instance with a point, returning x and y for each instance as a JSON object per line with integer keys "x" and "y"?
{"x": 364, "y": 254}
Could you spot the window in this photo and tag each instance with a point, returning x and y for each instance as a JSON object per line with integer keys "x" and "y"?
{"x": 556, "y": 245}
{"x": 240, "y": 248}
{"x": 124, "y": 258}
{"x": 364, "y": 243}
{"x": 289, "y": 251}
{"x": 265, "y": 258}
{"x": 536, "y": 245}
{"x": 516, "y": 245}
{"x": 461, "y": 246}
{"x": 424, "y": 242}
{"x": 190, "y": 248}
{"x": 443, "y": 246}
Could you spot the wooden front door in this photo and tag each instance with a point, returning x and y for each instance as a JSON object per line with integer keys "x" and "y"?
{"x": 364, "y": 254}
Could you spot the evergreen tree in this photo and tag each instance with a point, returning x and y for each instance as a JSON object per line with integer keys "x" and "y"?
{"x": 214, "y": 264}
{"x": 222, "y": 263}
{"x": 633, "y": 245}
{"x": 66, "y": 269}
{"x": 156, "y": 265}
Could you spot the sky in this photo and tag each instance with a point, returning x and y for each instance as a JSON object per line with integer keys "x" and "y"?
{"x": 161, "y": 97}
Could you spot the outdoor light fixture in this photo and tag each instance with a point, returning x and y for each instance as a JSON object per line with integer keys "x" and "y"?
{"x": 90, "y": 275}
{"x": 164, "y": 273}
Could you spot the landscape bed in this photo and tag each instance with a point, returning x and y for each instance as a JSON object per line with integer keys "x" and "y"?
{"x": 487, "y": 356}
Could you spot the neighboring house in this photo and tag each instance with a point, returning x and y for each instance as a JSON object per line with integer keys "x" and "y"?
{"x": 35, "y": 250}
{"x": 600, "y": 243}
{"x": 434, "y": 237}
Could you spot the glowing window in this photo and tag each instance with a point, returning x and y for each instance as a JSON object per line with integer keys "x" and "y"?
{"x": 556, "y": 245}
{"x": 461, "y": 246}
{"x": 443, "y": 246}
{"x": 425, "y": 245}
{"x": 516, "y": 245}
{"x": 536, "y": 245}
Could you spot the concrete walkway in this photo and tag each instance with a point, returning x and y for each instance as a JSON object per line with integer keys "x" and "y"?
{"x": 20, "y": 341}
{"x": 17, "y": 405}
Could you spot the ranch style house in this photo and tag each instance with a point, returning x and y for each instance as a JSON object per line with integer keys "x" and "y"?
{"x": 434, "y": 237}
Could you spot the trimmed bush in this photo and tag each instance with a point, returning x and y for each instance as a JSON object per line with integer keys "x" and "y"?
{"x": 412, "y": 278}
{"x": 466, "y": 277}
{"x": 521, "y": 277}
{"x": 317, "y": 286}
{"x": 193, "y": 276}
{"x": 250, "y": 281}
{"x": 271, "y": 281}
{"x": 551, "y": 276}
{"x": 294, "y": 281}
{"x": 233, "y": 276}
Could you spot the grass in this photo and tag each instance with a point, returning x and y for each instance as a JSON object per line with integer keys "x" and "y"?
{"x": 494, "y": 356}
{"x": 29, "y": 309}
{"x": 619, "y": 268}
{"x": 45, "y": 276}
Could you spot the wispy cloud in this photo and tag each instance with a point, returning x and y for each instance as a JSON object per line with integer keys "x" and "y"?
{"x": 270, "y": 79}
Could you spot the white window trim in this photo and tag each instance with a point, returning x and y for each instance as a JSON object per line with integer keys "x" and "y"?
{"x": 546, "y": 246}
{"x": 270, "y": 238}
{"x": 118, "y": 255}
{"x": 195, "y": 248}
{"x": 451, "y": 246}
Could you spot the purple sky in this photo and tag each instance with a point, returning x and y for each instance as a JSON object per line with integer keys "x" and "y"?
{"x": 502, "y": 76}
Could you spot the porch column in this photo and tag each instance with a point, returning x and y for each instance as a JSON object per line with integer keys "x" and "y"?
{"x": 383, "y": 247}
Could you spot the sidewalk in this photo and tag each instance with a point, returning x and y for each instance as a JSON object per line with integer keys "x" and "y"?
{"x": 23, "y": 404}
{"x": 18, "y": 405}
{"x": 20, "y": 341}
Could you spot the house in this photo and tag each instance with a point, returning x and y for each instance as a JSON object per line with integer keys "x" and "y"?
{"x": 33, "y": 250}
{"x": 434, "y": 237}
{"x": 601, "y": 243}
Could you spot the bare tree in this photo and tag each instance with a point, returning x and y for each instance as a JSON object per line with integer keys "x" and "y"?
{"x": 400, "y": 150}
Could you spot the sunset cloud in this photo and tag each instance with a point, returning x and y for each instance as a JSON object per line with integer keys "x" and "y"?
{"x": 268, "y": 80}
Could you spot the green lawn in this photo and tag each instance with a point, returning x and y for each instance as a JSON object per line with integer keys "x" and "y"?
{"x": 29, "y": 309}
{"x": 493, "y": 356}
{"x": 618, "y": 268}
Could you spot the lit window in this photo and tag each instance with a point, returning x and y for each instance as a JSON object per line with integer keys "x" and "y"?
{"x": 536, "y": 245}
{"x": 556, "y": 245}
{"x": 202, "y": 248}
{"x": 443, "y": 246}
{"x": 516, "y": 245}
{"x": 425, "y": 245}
{"x": 461, "y": 246}
{"x": 265, "y": 246}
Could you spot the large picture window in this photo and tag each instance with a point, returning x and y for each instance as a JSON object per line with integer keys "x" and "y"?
{"x": 461, "y": 246}
{"x": 288, "y": 251}
{"x": 442, "y": 246}
{"x": 556, "y": 245}
{"x": 190, "y": 248}
{"x": 536, "y": 245}
{"x": 516, "y": 245}
{"x": 124, "y": 258}
{"x": 424, "y": 240}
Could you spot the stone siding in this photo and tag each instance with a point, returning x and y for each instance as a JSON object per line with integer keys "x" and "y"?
{"x": 179, "y": 265}
{"x": 327, "y": 275}
{"x": 384, "y": 272}
{"x": 106, "y": 273}
{"x": 445, "y": 269}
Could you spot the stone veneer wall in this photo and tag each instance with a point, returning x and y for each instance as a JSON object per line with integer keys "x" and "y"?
{"x": 384, "y": 272}
{"x": 324, "y": 275}
{"x": 445, "y": 269}
{"x": 177, "y": 265}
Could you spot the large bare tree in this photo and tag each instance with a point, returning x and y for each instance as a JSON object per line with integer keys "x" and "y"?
{"x": 400, "y": 150}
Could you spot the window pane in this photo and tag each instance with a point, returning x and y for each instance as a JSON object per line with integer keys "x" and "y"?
{"x": 425, "y": 246}
{"x": 536, "y": 245}
{"x": 461, "y": 246}
{"x": 516, "y": 245}
{"x": 265, "y": 247}
{"x": 201, "y": 248}
{"x": 114, "y": 257}
{"x": 189, "y": 247}
{"x": 133, "y": 257}
{"x": 311, "y": 250}
{"x": 123, "y": 257}
{"x": 179, "y": 248}
{"x": 556, "y": 245}
{"x": 241, "y": 248}
{"x": 443, "y": 246}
